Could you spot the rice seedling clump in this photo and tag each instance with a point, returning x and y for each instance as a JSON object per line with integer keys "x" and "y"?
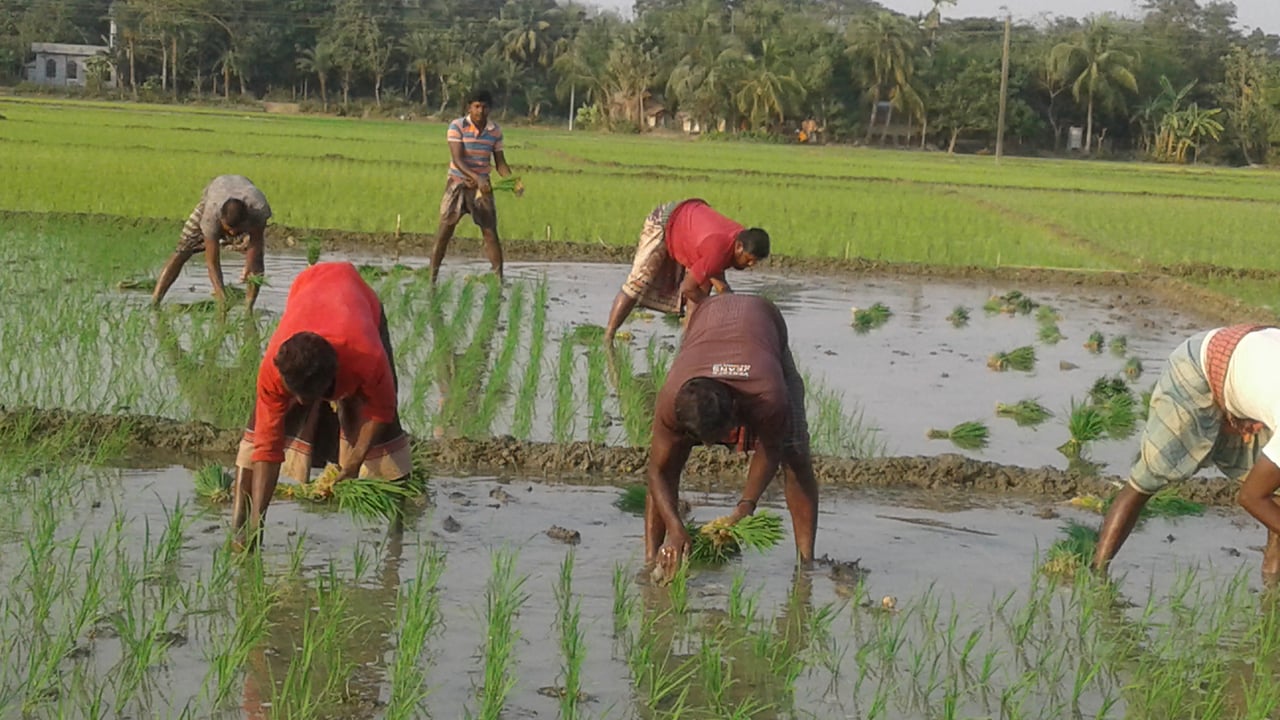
{"x": 1071, "y": 553}
{"x": 364, "y": 498}
{"x": 1011, "y": 303}
{"x": 969, "y": 435}
{"x": 716, "y": 542}
{"x": 1095, "y": 342}
{"x": 870, "y": 318}
{"x": 1023, "y": 358}
{"x": 1024, "y": 412}
{"x": 959, "y": 317}
{"x": 213, "y": 483}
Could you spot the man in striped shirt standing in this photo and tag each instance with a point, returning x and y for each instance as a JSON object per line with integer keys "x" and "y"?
{"x": 473, "y": 139}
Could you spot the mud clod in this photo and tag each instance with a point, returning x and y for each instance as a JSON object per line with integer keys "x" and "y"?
{"x": 451, "y": 525}
{"x": 502, "y": 496}
{"x": 564, "y": 535}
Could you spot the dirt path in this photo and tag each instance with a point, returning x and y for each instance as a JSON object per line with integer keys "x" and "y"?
{"x": 151, "y": 439}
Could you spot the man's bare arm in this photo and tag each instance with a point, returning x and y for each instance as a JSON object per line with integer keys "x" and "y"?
{"x": 1117, "y": 525}
{"x": 213, "y": 260}
{"x": 500, "y": 163}
{"x": 253, "y": 265}
{"x": 1256, "y": 494}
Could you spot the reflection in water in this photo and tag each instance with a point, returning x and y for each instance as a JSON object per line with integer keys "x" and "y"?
{"x": 327, "y": 644}
{"x": 724, "y": 663}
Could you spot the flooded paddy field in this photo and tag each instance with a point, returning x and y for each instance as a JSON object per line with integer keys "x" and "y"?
{"x": 124, "y": 602}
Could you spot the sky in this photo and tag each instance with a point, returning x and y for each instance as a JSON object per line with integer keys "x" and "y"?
{"x": 1250, "y": 14}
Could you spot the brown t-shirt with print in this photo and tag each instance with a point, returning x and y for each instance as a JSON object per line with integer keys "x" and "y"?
{"x": 739, "y": 340}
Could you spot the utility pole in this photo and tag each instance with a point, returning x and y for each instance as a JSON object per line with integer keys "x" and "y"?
{"x": 1004, "y": 89}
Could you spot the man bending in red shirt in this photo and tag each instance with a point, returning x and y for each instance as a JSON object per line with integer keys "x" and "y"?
{"x": 733, "y": 382}
{"x": 326, "y": 393}
{"x": 685, "y": 247}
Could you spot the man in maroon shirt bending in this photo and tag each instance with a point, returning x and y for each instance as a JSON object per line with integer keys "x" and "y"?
{"x": 733, "y": 382}
{"x": 685, "y": 247}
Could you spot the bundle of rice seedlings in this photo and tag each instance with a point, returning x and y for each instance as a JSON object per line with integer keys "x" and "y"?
{"x": 1024, "y": 412}
{"x": 871, "y": 318}
{"x": 1023, "y": 358}
{"x": 1105, "y": 388}
{"x": 1095, "y": 342}
{"x": 1011, "y": 303}
{"x": 1120, "y": 415}
{"x": 632, "y": 499}
{"x": 1089, "y": 502}
{"x": 513, "y": 185}
{"x": 213, "y": 483}
{"x": 1072, "y": 553}
{"x": 1166, "y": 503}
{"x": 1119, "y": 345}
{"x": 1050, "y": 334}
{"x": 1086, "y": 424}
{"x": 959, "y": 317}
{"x": 147, "y": 284}
{"x": 1047, "y": 315}
{"x": 1133, "y": 368}
{"x": 313, "y": 250}
{"x": 588, "y": 334}
{"x": 364, "y": 498}
{"x": 716, "y": 542}
{"x": 969, "y": 435}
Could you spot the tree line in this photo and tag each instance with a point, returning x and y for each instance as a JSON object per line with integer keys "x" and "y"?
{"x": 1178, "y": 84}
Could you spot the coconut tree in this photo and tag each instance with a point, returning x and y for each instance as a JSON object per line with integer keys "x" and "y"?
{"x": 769, "y": 87}
{"x": 883, "y": 47}
{"x": 528, "y": 33}
{"x": 318, "y": 60}
{"x": 1097, "y": 69}
{"x": 419, "y": 48}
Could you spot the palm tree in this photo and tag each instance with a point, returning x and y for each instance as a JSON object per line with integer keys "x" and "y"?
{"x": 769, "y": 88}
{"x": 419, "y": 47}
{"x": 318, "y": 60}
{"x": 1096, "y": 69}
{"x": 933, "y": 20}
{"x": 528, "y": 33}
{"x": 884, "y": 45}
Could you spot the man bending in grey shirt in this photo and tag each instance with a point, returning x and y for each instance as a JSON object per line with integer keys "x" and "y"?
{"x": 232, "y": 213}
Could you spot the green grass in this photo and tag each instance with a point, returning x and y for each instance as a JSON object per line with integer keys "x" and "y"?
{"x": 927, "y": 208}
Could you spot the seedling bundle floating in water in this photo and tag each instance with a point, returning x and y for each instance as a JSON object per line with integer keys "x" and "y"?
{"x": 959, "y": 317}
{"x": 1023, "y": 358}
{"x": 871, "y": 318}
{"x": 213, "y": 483}
{"x": 971, "y": 435}
{"x": 1011, "y": 303}
{"x": 1095, "y": 342}
{"x": 1072, "y": 553}
{"x": 1024, "y": 412}
{"x": 716, "y": 542}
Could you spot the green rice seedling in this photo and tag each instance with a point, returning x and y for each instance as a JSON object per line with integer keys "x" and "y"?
{"x": 1085, "y": 423}
{"x": 365, "y": 498}
{"x": 573, "y": 645}
{"x": 313, "y": 250}
{"x": 1046, "y": 315}
{"x": 969, "y": 435}
{"x": 1071, "y": 553}
{"x": 499, "y": 378}
{"x": 596, "y": 392}
{"x": 1050, "y": 334}
{"x": 1119, "y": 345}
{"x": 513, "y": 185}
{"x": 1133, "y": 369}
{"x": 1095, "y": 342}
{"x": 319, "y": 668}
{"x": 141, "y": 284}
{"x": 715, "y": 542}
{"x": 1011, "y": 303}
{"x": 1107, "y": 387}
{"x": 504, "y": 596}
{"x": 459, "y": 407}
{"x": 959, "y": 316}
{"x": 565, "y": 407}
{"x": 522, "y": 420}
{"x": 1166, "y": 503}
{"x": 418, "y": 611}
{"x": 1146, "y": 400}
{"x": 1120, "y": 416}
{"x": 632, "y": 499}
{"x": 742, "y": 607}
{"x": 1027, "y": 412}
{"x": 870, "y": 318}
{"x": 623, "y": 599}
{"x": 213, "y": 483}
{"x": 1021, "y": 358}
{"x": 834, "y": 429}
{"x": 636, "y": 396}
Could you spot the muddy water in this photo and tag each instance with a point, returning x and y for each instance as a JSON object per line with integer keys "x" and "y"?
{"x": 915, "y": 373}
{"x": 960, "y": 551}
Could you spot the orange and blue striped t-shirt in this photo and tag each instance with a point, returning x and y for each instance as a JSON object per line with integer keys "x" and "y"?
{"x": 478, "y": 146}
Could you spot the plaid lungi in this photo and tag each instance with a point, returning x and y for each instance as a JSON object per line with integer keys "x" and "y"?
{"x": 1184, "y": 430}
{"x": 655, "y": 278}
{"x": 192, "y": 240}
{"x": 321, "y": 433}
{"x": 459, "y": 200}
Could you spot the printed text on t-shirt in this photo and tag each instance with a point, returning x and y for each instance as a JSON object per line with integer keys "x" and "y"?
{"x": 731, "y": 369}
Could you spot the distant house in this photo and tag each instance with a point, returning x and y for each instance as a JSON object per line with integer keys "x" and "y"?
{"x": 655, "y": 115}
{"x": 63, "y": 64}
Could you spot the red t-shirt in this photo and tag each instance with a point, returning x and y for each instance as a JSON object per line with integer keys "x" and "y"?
{"x": 738, "y": 340}
{"x": 701, "y": 239}
{"x": 333, "y": 301}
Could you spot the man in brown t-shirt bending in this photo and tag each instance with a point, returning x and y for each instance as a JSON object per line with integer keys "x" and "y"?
{"x": 733, "y": 382}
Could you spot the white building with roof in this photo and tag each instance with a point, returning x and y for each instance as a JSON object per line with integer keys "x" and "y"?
{"x": 63, "y": 64}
